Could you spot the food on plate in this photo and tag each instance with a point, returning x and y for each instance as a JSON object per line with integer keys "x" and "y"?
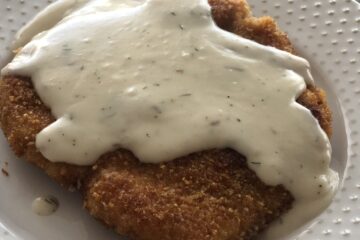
{"x": 45, "y": 205}
{"x": 171, "y": 127}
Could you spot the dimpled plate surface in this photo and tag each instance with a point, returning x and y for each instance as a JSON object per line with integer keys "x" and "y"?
{"x": 326, "y": 32}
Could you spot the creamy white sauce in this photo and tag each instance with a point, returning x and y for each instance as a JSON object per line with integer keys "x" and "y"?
{"x": 43, "y": 21}
{"x": 161, "y": 79}
{"x": 45, "y": 206}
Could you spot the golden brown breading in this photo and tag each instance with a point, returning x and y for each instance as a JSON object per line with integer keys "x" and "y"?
{"x": 235, "y": 16}
{"x": 209, "y": 195}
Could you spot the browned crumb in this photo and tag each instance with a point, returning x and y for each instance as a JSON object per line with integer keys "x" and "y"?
{"x": 211, "y": 195}
{"x": 6, "y": 173}
{"x": 4, "y": 170}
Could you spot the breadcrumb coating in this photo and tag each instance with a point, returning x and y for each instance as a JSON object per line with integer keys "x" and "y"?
{"x": 210, "y": 195}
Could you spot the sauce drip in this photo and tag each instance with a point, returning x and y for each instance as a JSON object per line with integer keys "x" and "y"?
{"x": 161, "y": 79}
{"x": 45, "y": 206}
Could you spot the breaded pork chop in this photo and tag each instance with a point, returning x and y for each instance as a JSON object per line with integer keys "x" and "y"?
{"x": 210, "y": 195}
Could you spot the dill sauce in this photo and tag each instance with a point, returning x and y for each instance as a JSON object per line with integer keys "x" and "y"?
{"x": 161, "y": 79}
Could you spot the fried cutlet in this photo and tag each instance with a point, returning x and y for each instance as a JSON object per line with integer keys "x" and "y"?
{"x": 206, "y": 195}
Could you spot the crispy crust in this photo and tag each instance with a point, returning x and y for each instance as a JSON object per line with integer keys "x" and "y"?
{"x": 208, "y": 195}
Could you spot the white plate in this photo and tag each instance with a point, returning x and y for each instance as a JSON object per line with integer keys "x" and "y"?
{"x": 326, "y": 32}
